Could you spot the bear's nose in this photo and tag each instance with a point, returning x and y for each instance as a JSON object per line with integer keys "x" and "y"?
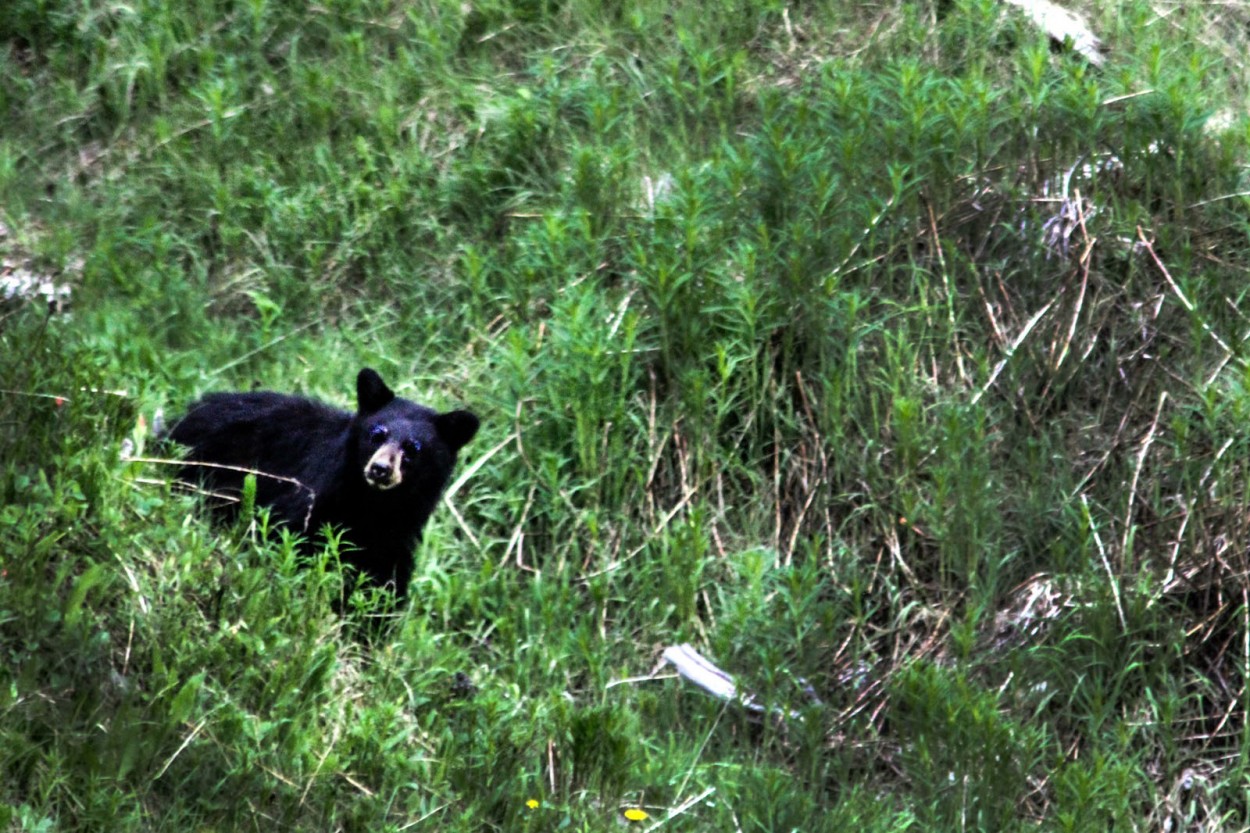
{"x": 379, "y": 471}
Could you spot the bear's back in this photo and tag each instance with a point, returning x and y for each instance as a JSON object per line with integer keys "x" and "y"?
{"x": 280, "y": 438}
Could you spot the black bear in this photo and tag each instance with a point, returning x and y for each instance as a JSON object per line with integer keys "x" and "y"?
{"x": 376, "y": 475}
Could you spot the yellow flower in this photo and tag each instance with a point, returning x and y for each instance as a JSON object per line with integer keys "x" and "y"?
{"x": 635, "y": 814}
{"x": 532, "y": 804}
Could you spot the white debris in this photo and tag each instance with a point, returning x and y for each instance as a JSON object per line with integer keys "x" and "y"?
{"x": 698, "y": 670}
{"x": 18, "y": 284}
{"x": 1063, "y": 26}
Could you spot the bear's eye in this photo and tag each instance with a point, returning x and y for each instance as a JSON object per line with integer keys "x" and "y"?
{"x": 412, "y": 447}
{"x": 378, "y": 434}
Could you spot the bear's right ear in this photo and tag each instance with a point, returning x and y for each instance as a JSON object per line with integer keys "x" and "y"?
{"x": 456, "y": 428}
{"x": 372, "y": 394}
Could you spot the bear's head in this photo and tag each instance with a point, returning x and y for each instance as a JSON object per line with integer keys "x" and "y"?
{"x": 402, "y": 446}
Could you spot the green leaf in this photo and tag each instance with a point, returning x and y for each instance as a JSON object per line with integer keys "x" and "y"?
{"x": 184, "y": 701}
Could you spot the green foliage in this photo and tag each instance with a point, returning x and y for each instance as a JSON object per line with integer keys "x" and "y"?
{"x": 891, "y": 356}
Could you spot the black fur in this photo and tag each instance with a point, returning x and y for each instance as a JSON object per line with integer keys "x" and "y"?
{"x": 376, "y": 474}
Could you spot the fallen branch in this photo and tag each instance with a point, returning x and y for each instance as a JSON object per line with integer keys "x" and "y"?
{"x": 312, "y": 493}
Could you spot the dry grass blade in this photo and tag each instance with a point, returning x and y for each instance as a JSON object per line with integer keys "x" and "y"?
{"x": 1012, "y": 348}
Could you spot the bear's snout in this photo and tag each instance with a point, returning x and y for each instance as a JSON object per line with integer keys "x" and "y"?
{"x": 383, "y": 469}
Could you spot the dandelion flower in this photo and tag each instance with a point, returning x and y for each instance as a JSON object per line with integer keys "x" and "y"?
{"x": 636, "y": 814}
{"x": 532, "y": 804}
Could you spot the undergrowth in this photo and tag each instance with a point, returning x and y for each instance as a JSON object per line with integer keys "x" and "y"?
{"x": 891, "y": 356}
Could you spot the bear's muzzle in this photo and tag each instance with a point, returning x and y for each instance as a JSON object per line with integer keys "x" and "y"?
{"x": 385, "y": 468}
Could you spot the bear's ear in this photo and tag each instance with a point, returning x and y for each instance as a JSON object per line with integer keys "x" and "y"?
{"x": 372, "y": 394}
{"x": 456, "y": 428}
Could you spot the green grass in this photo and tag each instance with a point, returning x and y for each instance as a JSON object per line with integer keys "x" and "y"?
{"x": 755, "y": 302}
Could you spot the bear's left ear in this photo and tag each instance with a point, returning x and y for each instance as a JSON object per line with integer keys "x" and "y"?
{"x": 372, "y": 394}
{"x": 456, "y": 427}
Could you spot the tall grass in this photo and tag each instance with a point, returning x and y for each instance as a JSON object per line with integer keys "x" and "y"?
{"x": 892, "y": 356}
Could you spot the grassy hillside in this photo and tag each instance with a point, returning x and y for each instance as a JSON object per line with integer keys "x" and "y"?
{"x": 889, "y": 354}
